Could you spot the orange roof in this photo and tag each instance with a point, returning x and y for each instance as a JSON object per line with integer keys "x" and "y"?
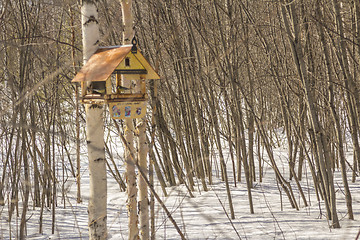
{"x": 102, "y": 63}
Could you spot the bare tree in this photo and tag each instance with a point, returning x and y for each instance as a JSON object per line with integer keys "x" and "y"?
{"x": 94, "y": 131}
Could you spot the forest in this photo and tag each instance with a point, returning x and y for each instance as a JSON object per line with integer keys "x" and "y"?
{"x": 256, "y": 115}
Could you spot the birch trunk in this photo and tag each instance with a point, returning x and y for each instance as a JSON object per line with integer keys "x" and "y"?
{"x": 131, "y": 182}
{"x": 94, "y": 131}
{"x": 142, "y": 161}
{"x": 143, "y": 191}
{"x": 131, "y": 189}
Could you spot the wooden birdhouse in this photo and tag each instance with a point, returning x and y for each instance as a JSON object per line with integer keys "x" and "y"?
{"x": 110, "y": 77}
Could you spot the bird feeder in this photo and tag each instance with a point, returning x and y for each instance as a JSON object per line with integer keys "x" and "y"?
{"x": 110, "y": 77}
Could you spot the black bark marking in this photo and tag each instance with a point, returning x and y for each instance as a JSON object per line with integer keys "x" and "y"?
{"x": 99, "y": 159}
{"x": 96, "y": 106}
{"x": 90, "y": 20}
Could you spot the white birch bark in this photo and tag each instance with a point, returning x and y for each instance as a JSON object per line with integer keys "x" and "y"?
{"x": 128, "y": 19}
{"x": 97, "y": 172}
{"x": 90, "y": 28}
{"x": 94, "y": 131}
{"x": 143, "y": 190}
{"x": 131, "y": 188}
{"x": 142, "y": 157}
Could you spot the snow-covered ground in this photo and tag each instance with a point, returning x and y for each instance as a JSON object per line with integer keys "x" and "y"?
{"x": 204, "y": 217}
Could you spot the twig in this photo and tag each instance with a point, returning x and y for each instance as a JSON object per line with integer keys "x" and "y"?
{"x": 357, "y": 236}
{"x": 227, "y": 215}
{"x": 272, "y": 214}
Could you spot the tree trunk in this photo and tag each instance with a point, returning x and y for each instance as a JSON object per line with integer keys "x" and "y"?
{"x": 143, "y": 191}
{"x": 128, "y": 34}
{"x": 94, "y": 131}
{"x": 26, "y": 172}
{"x": 349, "y": 82}
{"x": 142, "y": 153}
{"x": 321, "y": 143}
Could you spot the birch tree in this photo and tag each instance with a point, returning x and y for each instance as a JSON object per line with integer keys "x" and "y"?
{"x": 143, "y": 191}
{"x": 126, "y": 6}
{"x": 94, "y": 131}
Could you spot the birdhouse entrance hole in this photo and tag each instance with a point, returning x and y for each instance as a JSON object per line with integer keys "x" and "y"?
{"x": 127, "y": 62}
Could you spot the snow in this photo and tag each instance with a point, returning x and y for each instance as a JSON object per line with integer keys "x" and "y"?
{"x": 204, "y": 217}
